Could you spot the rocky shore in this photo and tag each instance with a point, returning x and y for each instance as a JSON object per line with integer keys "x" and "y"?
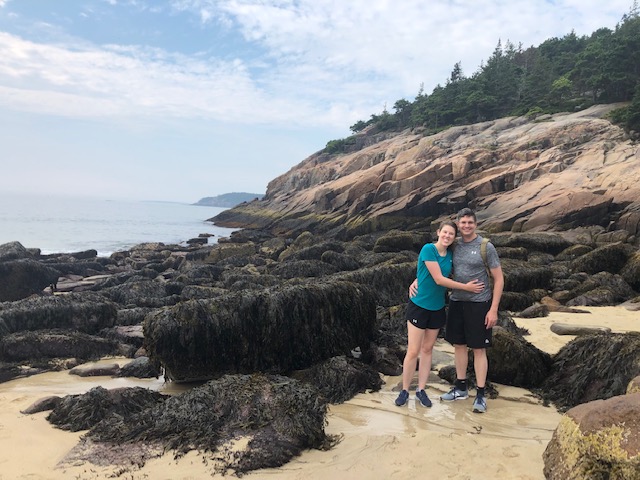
{"x": 302, "y": 309}
{"x": 259, "y": 317}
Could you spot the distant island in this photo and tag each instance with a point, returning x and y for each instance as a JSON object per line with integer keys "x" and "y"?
{"x": 228, "y": 200}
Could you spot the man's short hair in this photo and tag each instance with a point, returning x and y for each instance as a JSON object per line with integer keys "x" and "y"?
{"x": 466, "y": 212}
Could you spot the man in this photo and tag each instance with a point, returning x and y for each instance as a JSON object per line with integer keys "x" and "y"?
{"x": 471, "y": 316}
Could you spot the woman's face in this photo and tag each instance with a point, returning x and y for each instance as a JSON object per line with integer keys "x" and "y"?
{"x": 446, "y": 235}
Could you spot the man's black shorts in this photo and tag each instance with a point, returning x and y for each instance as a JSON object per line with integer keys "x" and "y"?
{"x": 423, "y": 318}
{"x": 465, "y": 324}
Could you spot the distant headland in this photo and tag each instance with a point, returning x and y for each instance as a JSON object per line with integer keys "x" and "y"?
{"x": 228, "y": 200}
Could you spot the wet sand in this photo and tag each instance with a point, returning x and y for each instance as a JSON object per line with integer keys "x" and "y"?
{"x": 379, "y": 440}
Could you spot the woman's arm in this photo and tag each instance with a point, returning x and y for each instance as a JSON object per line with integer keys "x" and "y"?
{"x": 474, "y": 286}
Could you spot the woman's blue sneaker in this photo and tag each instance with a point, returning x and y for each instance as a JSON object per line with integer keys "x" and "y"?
{"x": 422, "y": 396}
{"x": 455, "y": 394}
{"x": 402, "y": 398}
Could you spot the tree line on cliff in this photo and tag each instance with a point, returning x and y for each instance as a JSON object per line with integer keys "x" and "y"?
{"x": 561, "y": 74}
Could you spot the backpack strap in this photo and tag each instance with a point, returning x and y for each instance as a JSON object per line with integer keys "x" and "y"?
{"x": 483, "y": 254}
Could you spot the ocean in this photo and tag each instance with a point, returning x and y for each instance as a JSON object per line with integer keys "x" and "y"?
{"x": 59, "y": 224}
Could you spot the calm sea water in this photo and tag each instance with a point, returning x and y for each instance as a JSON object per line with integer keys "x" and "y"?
{"x": 67, "y": 224}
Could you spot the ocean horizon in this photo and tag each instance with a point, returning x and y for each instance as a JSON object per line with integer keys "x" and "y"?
{"x": 66, "y": 224}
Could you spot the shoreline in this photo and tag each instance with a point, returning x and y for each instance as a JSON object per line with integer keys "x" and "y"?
{"x": 379, "y": 440}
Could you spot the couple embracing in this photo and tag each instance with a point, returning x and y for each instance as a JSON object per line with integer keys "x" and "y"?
{"x": 473, "y": 308}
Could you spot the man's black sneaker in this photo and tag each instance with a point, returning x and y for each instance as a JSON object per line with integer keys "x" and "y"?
{"x": 479, "y": 405}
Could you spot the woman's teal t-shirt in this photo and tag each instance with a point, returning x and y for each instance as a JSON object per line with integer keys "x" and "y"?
{"x": 431, "y": 295}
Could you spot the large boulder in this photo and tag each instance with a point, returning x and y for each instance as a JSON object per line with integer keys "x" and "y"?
{"x": 597, "y": 440}
{"x": 520, "y": 276}
{"x": 24, "y": 277}
{"x": 601, "y": 289}
{"x": 608, "y": 258}
{"x": 593, "y": 367}
{"x": 13, "y": 251}
{"x": 86, "y": 312}
{"x": 271, "y": 330}
{"x": 390, "y": 282}
{"x": 21, "y": 346}
{"x": 141, "y": 292}
{"x": 514, "y": 361}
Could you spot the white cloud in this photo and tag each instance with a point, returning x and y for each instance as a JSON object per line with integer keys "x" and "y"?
{"x": 327, "y": 62}
{"x": 129, "y": 81}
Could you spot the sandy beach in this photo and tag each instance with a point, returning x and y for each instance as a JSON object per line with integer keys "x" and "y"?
{"x": 379, "y": 440}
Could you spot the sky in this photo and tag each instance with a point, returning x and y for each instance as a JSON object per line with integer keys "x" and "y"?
{"x": 177, "y": 100}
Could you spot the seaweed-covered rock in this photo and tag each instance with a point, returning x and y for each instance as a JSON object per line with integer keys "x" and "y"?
{"x": 340, "y": 260}
{"x": 520, "y": 276}
{"x": 271, "y": 330}
{"x": 518, "y": 253}
{"x": 515, "y": 301}
{"x": 83, "y": 411}
{"x": 141, "y": 292}
{"x": 86, "y": 312}
{"x": 31, "y": 345}
{"x": 608, "y": 258}
{"x": 132, "y": 316}
{"x": 314, "y": 252}
{"x": 397, "y": 241}
{"x": 573, "y": 252}
{"x": 514, "y": 361}
{"x": 390, "y": 282}
{"x": 140, "y": 367}
{"x": 603, "y": 288}
{"x": 631, "y": 271}
{"x": 221, "y": 251}
{"x": 9, "y": 371}
{"x": 593, "y": 367}
{"x": 302, "y": 269}
{"x": 24, "y": 277}
{"x": 200, "y": 274}
{"x": 340, "y": 378}
{"x": 13, "y": 251}
{"x": 597, "y": 440}
{"x": 84, "y": 268}
{"x": 279, "y": 416}
{"x": 539, "y": 242}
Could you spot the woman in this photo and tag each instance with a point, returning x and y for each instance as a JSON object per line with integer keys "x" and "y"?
{"x": 425, "y": 313}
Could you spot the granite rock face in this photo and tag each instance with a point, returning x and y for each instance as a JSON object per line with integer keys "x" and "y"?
{"x": 520, "y": 175}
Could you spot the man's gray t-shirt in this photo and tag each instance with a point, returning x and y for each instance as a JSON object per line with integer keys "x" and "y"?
{"x": 468, "y": 265}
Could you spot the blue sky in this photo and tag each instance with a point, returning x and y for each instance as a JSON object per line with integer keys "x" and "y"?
{"x": 181, "y": 99}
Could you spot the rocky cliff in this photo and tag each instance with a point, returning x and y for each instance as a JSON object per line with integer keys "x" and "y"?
{"x": 554, "y": 172}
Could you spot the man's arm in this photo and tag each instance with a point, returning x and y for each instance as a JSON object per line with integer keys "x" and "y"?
{"x": 498, "y": 286}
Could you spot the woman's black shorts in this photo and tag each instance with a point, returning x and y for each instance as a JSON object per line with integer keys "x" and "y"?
{"x": 423, "y": 318}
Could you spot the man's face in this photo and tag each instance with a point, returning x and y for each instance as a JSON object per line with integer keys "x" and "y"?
{"x": 467, "y": 226}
